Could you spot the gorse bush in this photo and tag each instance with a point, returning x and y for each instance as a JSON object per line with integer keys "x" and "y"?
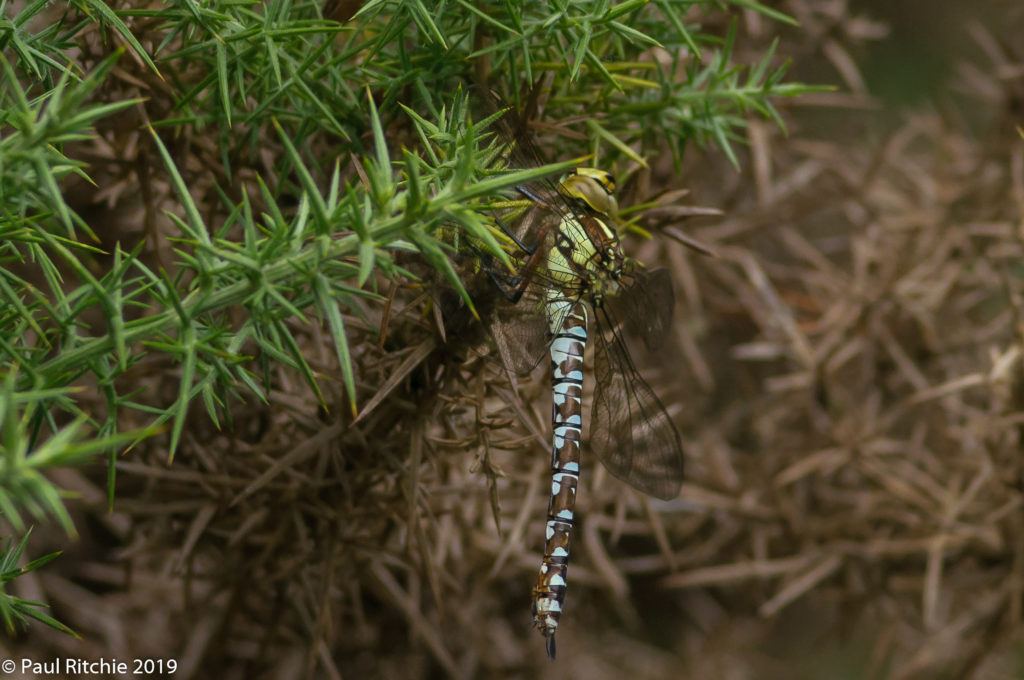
{"x": 192, "y": 187}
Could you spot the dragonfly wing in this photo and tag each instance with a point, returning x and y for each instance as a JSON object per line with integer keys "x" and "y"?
{"x": 646, "y": 306}
{"x": 631, "y": 432}
{"x": 522, "y": 340}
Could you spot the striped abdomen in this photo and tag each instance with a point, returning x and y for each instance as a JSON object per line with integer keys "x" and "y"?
{"x": 570, "y": 339}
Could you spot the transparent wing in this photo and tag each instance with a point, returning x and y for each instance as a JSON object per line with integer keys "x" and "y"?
{"x": 645, "y": 306}
{"x": 522, "y": 339}
{"x": 631, "y": 432}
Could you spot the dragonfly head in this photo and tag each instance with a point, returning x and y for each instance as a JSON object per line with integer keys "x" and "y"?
{"x": 593, "y": 187}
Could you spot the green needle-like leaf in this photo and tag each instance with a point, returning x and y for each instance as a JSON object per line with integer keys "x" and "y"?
{"x": 108, "y": 15}
{"x": 328, "y": 306}
{"x": 188, "y": 369}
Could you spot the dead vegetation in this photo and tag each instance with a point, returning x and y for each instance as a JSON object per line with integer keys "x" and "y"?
{"x": 850, "y": 388}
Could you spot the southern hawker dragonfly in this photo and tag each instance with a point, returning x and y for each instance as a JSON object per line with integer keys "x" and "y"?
{"x": 573, "y": 283}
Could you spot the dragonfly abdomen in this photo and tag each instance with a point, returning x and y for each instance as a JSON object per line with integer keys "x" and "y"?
{"x": 566, "y": 350}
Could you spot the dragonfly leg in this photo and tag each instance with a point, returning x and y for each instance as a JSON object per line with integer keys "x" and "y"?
{"x": 514, "y": 288}
{"x": 529, "y": 250}
{"x": 535, "y": 198}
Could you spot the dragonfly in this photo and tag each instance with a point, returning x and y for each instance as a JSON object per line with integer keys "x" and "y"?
{"x": 573, "y": 285}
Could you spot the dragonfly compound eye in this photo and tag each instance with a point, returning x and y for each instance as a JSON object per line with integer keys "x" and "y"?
{"x": 593, "y": 187}
{"x": 602, "y": 177}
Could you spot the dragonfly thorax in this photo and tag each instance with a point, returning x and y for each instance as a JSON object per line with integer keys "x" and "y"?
{"x": 586, "y": 255}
